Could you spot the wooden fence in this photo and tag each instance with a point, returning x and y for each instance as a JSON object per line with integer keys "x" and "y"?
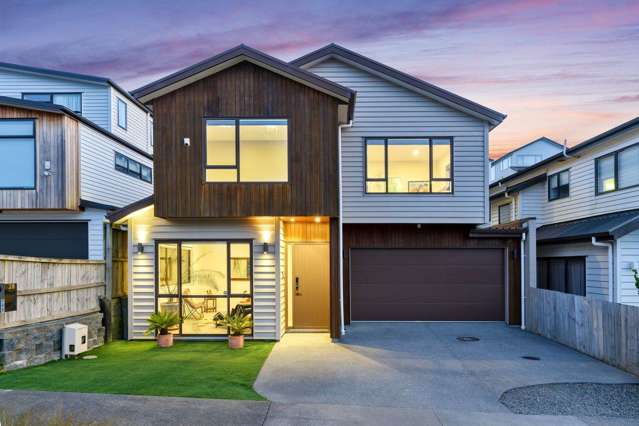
{"x": 51, "y": 289}
{"x": 604, "y": 330}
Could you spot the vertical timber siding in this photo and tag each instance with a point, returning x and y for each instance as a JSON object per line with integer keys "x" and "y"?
{"x": 385, "y": 109}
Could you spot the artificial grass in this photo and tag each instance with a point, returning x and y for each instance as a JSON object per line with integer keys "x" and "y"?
{"x": 188, "y": 369}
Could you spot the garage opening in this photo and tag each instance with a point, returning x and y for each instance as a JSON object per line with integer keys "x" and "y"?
{"x": 64, "y": 240}
{"x": 427, "y": 284}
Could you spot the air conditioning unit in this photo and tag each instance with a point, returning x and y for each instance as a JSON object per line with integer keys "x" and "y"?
{"x": 75, "y": 339}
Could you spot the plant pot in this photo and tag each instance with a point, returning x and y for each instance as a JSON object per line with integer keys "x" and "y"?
{"x": 165, "y": 340}
{"x": 236, "y": 342}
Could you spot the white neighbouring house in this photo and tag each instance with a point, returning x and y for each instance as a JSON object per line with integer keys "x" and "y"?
{"x": 586, "y": 208}
{"x": 72, "y": 148}
{"x": 523, "y": 157}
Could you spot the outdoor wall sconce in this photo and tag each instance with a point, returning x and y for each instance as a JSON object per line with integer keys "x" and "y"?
{"x": 140, "y": 248}
{"x": 265, "y": 248}
{"x": 266, "y": 237}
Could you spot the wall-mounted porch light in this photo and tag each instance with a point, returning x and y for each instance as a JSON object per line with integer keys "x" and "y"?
{"x": 140, "y": 249}
{"x": 266, "y": 239}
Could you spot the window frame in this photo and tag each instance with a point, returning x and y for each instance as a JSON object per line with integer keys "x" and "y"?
{"x": 51, "y": 94}
{"x": 228, "y": 296}
{"x": 615, "y": 155}
{"x": 559, "y": 196}
{"x": 127, "y": 170}
{"x": 236, "y": 166}
{"x": 35, "y": 153}
{"x": 126, "y": 113}
{"x": 430, "y": 166}
{"x": 499, "y": 207}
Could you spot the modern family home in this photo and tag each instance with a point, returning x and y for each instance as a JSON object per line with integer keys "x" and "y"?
{"x": 72, "y": 148}
{"x": 314, "y": 193}
{"x": 586, "y": 205}
{"x": 523, "y": 157}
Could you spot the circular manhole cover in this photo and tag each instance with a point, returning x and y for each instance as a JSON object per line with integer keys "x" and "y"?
{"x": 468, "y": 339}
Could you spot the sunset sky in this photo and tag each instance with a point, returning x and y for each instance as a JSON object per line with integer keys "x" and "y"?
{"x": 561, "y": 69}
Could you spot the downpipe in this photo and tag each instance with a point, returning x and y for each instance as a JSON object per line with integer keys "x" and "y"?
{"x": 342, "y": 329}
{"x": 610, "y": 266}
{"x": 522, "y": 272}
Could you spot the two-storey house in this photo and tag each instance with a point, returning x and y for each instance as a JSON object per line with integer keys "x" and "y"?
{"x": 523, "y": 157}
{"x": 72, "y": 148}
{"x": 314, "y": 193}
{"x": 586, "y": 207}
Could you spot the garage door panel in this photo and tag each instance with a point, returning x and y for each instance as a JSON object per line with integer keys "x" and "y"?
{"x": 427, "y": 284}
{"x": 45, "y": 239}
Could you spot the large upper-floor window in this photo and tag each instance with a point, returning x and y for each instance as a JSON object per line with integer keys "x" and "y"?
{"x": 246, "y": 150}
{"x": 72, "y": 101}
{"x": 122, "y": 114}
{"x": 617, "y": 170}
{"x": 409, "y": 165}
{"x": 17, "y": 154}
{"x": 559, "y": 185}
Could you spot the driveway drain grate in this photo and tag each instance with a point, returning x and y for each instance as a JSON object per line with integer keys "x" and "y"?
{"x": 468, "y": 339}
{"x": 531, "y": 358}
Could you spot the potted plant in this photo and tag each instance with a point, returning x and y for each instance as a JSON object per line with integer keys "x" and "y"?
{"x": 635, "y": 272}
{"x": 160, "y": 323}
{"x": 237, "y": 322}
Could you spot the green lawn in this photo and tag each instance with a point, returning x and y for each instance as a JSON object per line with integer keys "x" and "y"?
{"x": 188, "y": 369}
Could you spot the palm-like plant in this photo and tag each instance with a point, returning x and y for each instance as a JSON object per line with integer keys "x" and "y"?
{"x": 160, "y": 322}
{"x": 237, "y": 322}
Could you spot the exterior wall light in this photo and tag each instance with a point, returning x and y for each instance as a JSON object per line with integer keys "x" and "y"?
{"x": 140, "y": 249}
{"x": 317, "y": 219}
{"x": 266, "y": 238}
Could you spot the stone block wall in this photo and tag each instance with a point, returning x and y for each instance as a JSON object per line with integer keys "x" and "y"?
{"x": 34, "y": 344}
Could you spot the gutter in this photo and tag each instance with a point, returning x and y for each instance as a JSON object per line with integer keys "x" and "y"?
{"x": 342, "y": 330}
{"x": 610, "y": 266}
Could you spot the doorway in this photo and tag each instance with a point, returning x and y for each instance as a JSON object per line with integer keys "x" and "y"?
{"x": 310, "y": 275}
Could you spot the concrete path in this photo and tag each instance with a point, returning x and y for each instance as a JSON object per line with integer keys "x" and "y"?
{"x": 115, "y": 410}
{"x": 422, "y": 366}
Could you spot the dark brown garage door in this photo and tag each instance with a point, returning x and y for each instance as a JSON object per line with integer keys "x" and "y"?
{"x": 427, "y": 284}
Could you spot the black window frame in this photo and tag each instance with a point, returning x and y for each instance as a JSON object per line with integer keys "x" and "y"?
{"x": 35, "y": 153}
{"x": 566, "y": 190}
{"x": 615, "y": 155}
{"x": 236, "y": 166}
{"x": 127, "y": 170}
{"x": 51, "y": 94}
{"x": 509, "y": 205}
{"x": 228, "y": 296}
{"x": 430, "y": 139}
{"x": 126, "y": 113}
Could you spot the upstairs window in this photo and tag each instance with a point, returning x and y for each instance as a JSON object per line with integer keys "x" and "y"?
{"x": 618, "y": 170}
{"x": 72, "y": 101}
{"x": 122, "y": 118}
{"x": 505, "y": 213}
{"x": 559, "y": 185}
{"x": 17, "y": 154}
{"x": 246, "y": 150}
{"x": 133, "y": 168}
{"x": 409, "y": 165}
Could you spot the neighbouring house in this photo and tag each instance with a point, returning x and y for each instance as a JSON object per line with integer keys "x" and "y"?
{"x": 314, "y": 193}
{"x": 523, "y": 157}
{"x": 586, "y": 207}
{"x": 72, "y": 148}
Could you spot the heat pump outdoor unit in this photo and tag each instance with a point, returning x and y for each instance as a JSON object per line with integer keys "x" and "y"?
{"x": 74, "y": 339}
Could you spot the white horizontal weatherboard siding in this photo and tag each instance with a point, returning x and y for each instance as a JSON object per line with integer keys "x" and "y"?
{"x": 139, "y": 122}
{"x": 385, "y": 109}
{"x": 100, "y": 182}
{"x": 628, "y": 248}
{"x": 95, "y": 97}
{"x": 142, "y": 269}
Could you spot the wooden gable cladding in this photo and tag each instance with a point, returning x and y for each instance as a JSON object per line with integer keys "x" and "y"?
{"x": 57, "y": 141}
{"x": 246, "y": 91}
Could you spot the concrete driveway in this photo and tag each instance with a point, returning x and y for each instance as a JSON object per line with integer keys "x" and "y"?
{"x": 422, "y": 366}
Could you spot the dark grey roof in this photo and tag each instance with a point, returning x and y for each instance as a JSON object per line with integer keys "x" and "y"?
{"x": 73, "y": 76}
{"x": 575, "y": 149}
{"x": 611, "y": 225}
{"x": 543, "y": 138}
{"x": 59, "y": 109}
{"x": 242, "y": 50}
{"x": 512, "y": 229}
{"x": 335, "y": 50}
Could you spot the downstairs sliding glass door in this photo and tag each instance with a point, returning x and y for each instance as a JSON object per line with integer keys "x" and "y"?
{"x": 203, "y": 280}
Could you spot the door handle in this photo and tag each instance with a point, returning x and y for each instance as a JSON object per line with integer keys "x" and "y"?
{"x": 297, "y": 286}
